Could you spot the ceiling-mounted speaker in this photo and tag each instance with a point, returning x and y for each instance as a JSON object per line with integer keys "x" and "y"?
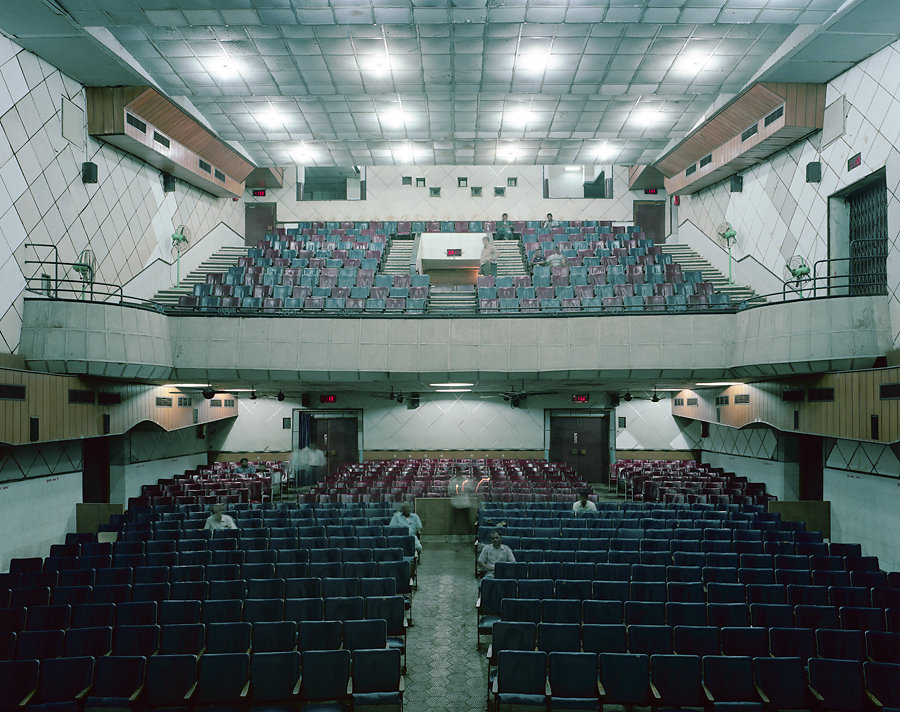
{"x": 737, "y": 184}
{"x": 88, "y": 172}
{"x": 168, "y": 183}
{"x": 208, "y": 393}
{"x": 413, "y": 402}
{"x": 813, "y": 172}
{"x": 304, "y": 400}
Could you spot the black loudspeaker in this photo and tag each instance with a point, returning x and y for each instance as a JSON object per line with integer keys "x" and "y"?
{"x": 737, "y": 184}
{"x": 304, "y": 400}
{"x": 413, "y": 401}
{"x": 106, "y": 424}
{"x": 201, "y": 432}
{"x": 168, "y": 183}
{"x": 813, "y": 172}
{"x": 88, "y": 172}
{"x": 704, "y": 429}
{"x": 34, "y": 432}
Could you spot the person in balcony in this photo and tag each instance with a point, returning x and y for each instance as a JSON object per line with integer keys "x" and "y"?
{"x": 245, "y": 468}
{"x": 503, "y": 230}
{"x": 549, "y": 222}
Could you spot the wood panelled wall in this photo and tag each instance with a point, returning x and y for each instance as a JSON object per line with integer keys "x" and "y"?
{"x": 856, "y": 399}
{"x": 47, "y": 399}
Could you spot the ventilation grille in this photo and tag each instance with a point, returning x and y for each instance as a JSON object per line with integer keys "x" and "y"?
{"x": 750, "y": 133}
{"x": 692, "y": 402}
{"x": 160, "y": 139}
{"x": 229, "y": 402}
{"x": 742, "y": 399}
{"x": 8, "y": 392}
{"x": 109, "y": 398}
{"x": 706, "y": 160}
{"x": 820, "y": 395}
{"x": 721, "y": 400}
{"x": 81, "y": 397}
{"x": 690, "y": 170}
{"x": 793, "y": 396}
{"x": 136, "y": 123}
{"x": 889, "y": 390}
{"x": 679, "y": 401}
{"x": 774, "y": 116}
{"x": 204, "y": 166}
{"x": 163, "y": 402}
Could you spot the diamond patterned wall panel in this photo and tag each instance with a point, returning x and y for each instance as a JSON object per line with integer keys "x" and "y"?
{"x": 125, "y": 219}
{"x": 779, "y": 214}
{"x": 761, "y": 443}
{"x": 650, "y": 426}
{"x": 862, "y": 457}
{"x": 51, "y": 458}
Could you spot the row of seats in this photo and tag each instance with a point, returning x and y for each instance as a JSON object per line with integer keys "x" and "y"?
{"x": 197, "y": 638}
{"x": 309, "y": 304}
{"x": 220, "y": 680}
{"x": 528, "y": 679}
{"x": 699, "y": 639}
{"x": 612, "y": 305}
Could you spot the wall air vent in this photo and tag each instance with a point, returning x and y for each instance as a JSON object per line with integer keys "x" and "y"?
{"x": 163, "y": 402}
{"x": 679, "y": 401}
{"x": 692, "y": 402}
{"x": 741, "y": 398}
{"x": 774, "y": 116}
{"x": 690, "y": 170}
{"x": 184, "y": 402}
{"x": 229, "y": 402}
{"x": 219, "y": 175}
{"x": 109, "y": 398}
{"x": 750, "y": 133}
{"x": 8, "y": 392}
{"x": 81, "y": 397}
{"x": 820, "y": 395}
{"x": 706, "y": 160}
{"x": 215, "y": 403}
{"x": 205, "y": 167}
{"x": 793, "y": 396}
{"x": 887, "y": 391}
{"x": 721, "y": 400}
{"x": 161, "y": 140}
{"x": 136, "y": 123}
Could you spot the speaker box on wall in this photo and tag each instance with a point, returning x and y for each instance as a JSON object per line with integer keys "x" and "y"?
{"x": 88, "y": 172}
{"x": 34, "y": 432}
{"x": 106, "y": 423}
{"x": 168, "y": 183}
{"x": 813, "y": 172}
{"x": 737, "y": 184}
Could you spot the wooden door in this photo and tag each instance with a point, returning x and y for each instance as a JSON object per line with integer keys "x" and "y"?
{"x": 650, "y": 216}
{"x": 583, "y": 443}
{"x": 259, "y": 219}
{"x": 811, "y": 459}
{"x": 338, "y": 439}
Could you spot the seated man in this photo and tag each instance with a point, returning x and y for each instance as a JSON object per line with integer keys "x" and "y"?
{"x": 490, "y": 555}
{"x": 503, "y": 230}
{"x": 556, "y": 259}
{"x": 583, "y": 504}
{"x": 217, "y": 520}
{"x": 404, "y": 518}
{"x": 244, "y": 468}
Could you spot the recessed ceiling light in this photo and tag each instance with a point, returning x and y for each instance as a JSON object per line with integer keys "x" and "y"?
{"x": 270, "y": 118}
{"x": 517, "y": 117}
{"x": 647, "y": 117}
{"x": 187, "y": 385}
{"x": 223, "y": 67}
{"x": 450, "y": 385}
{"x": 692, "y": 62}
{"x": 394, "y": 117}
{"x": 379, "y": 63}
{"x": 572, "y": 169}
{"x": 533, "y": 61}
{"x": 604, "y": 152}
{"x": 508, "y": 153}
{"x": 404, "y": 154}
{"x": 302, "y": 154}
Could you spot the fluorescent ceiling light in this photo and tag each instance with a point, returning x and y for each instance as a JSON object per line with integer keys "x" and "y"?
{"x": 379, "y": 63}
{"x": 508, "y": 153}
{"x": 517, "y": 117}
{"x": 720, "y": 383}
{"x": 647, "y": 117}
{"x": 692, "y": 62}
{"x": 223, "y": 67}
{"x": 394, "y": 117}
{"x": 450, "y": 385}
{"x": 404, "y": 154}
{"x": 453, "y": 390}
{"x": 188, "y": 385}
{"x": 237, "y": 390}
{"x": 604, "y": 152}
{"x": 572, "y": 169}
{"x": 302, "y": 154}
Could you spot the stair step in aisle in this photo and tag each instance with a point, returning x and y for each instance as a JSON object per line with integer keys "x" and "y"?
{"x": 219, "y": 261}
{"x": 510, "y": 261}
{"x": 690, "y": 260}
{"x": 397, "y": 261}
{"x": 447, "y": 300}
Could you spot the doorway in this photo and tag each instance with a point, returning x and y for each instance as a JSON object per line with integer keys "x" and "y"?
{"x": 95, "y": 470}
{"x": 581, "y": 441}
{"x": 811, "y": 461}
{"x": 335, "y": 434}
{"x": 259, "y": 219}
{"x": 650, "y": 216}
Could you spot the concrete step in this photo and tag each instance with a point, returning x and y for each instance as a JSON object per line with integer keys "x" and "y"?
{"x": 219, "y": 261}
{"x": 691, "y": 260}
{"x": 457, "y": 301}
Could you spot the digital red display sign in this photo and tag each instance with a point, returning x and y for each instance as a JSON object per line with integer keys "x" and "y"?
{"x": 330, "y": 398}
{"x": 581, "y": 398}
{"x": 259, "y": 193}
{"x": 454, "y": 252}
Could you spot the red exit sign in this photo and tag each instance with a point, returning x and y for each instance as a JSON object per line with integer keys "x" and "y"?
{"x": 259, "y": 193}
{"x": 854, "y": 162}
{"x": 581, "y": 398}
{"x": 330, "y": 398}
{"x": 455, "y": 252}
{"x": 650, "y": 191}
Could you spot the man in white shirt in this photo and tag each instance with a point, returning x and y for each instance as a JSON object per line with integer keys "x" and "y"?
{"x": 404, "y": 518}
{"x": 556, "y": 259}
{"x": 491, "y": 555}
{"x": 311, "y": 460}
{"x": 217, "y": 520}
{"x": 583, "y": 504}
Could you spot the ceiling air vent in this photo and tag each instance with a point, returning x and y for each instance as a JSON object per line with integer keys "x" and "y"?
{"x": 774, "y": 116}
{"x": 750, "y": 133}
{"x": 161, "y": 140}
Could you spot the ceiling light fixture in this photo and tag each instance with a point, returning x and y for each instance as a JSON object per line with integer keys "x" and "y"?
{"x": 572, "y": 169}
{"x": 223, "y": 67}
{"x": 720, "y": 383}
{"x": 394, "y": 117}
{"x": 379, "y": 63}
{"x": 453, "y": 390}
{"x": 404, "y": 154}
{"x": 533, "y": 61}
{"x": 302, "y": 154}
{"x": 692, "y": 62}
{"x": 187, "y": 385}
{"x": 604, "y": 152}
{"x": 451, "y": 385}
{"x": 647, "y": 117}
{"x": 627, "y": 397}
{"x": 508, "y": 153}
{"x": 270, "y": 118}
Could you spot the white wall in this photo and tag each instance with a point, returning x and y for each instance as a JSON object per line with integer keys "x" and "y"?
{"x": 387, "y": 199}
{"x": 779, "y": 214}
{"x": 125, "y": 219}
{"x": 126, "y": 480}
{"x": 865, "y": 509}
{"x": 35, "y": 514}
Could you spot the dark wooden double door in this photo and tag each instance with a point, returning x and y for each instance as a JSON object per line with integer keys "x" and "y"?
{"x": 583, "y": 443}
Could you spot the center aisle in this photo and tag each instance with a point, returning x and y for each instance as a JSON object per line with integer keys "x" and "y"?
{"x": 445, "y": 673}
